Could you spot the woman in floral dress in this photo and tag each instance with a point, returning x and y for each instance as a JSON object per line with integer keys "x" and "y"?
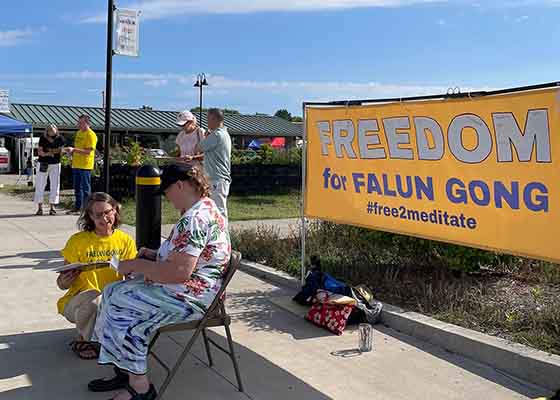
{"x": 177, "y": 283}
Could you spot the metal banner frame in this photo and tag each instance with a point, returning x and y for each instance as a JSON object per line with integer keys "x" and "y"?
{"x": 451, "y": 94}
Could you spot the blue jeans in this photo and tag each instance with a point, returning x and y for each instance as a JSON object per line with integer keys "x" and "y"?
{"x": 82, "y": 186}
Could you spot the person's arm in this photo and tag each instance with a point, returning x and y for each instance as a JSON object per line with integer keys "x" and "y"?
{"x": 65, "y": 279}
{"x": 199, "y": 156}
{"x": 182, "y": 260}
{"x": 210, "y": 142}
{"x": 89, "y": 145}
{"x": 176, "y": 269}
{"x": 57, "y": 150}
{"x": 147, "y": 254}
{"x": 85, "y": 151}
{"x": 42, "y": 153}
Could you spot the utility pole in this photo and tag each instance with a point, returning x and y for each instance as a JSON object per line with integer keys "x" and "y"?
{"x": 107, "y": 93}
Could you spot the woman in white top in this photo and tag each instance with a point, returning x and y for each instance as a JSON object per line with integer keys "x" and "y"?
{"x": 189, "y": 137}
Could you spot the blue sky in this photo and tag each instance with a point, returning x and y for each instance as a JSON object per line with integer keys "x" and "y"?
{"x": 263, "y": 55}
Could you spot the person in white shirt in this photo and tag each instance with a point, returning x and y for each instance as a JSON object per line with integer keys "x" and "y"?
{"x": 189, "y": 138}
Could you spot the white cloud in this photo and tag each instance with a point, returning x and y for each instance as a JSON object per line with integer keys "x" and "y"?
{"x": 224, "y": 90}
{"x": 156, "y": 83}
{"x": 523, "y": 18}
{"x": 15, "y": 37}
{"x": 221, "y": 84}
{"x": 40, "y": 92}
{"x": 159, "y": 9}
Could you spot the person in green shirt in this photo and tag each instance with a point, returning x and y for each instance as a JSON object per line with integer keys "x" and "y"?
{"x": 216, "y": 148}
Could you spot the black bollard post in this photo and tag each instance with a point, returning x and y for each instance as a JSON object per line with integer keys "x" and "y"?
{"x": 148, "y": 207}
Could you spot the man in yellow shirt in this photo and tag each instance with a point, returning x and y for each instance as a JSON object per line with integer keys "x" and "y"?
{"x": 83, "y": 155}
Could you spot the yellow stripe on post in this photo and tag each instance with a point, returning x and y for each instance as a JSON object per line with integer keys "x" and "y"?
{"x": 154, "y": 181}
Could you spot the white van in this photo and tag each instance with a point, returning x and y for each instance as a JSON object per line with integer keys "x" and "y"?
{"x": 4, "y": 159}
{"x": 23, "y": 150}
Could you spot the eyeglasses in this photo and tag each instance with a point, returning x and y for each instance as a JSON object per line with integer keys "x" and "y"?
{"x": 103, "y": 214}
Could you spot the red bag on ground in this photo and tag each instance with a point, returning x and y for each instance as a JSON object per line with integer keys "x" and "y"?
{"x": 332, "y": 317}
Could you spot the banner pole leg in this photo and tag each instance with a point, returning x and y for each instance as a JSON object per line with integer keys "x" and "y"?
{"x": 303, "y": 190}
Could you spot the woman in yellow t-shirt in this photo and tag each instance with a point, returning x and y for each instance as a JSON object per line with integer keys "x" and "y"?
{"x": 99, "y": 240}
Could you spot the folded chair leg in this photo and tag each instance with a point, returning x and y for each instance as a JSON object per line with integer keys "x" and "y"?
{"x": 177, "y": 364}
{"x": 233, "y": 359}
{"x": 207, "y": 346}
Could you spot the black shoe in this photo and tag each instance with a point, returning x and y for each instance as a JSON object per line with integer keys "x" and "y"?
{"x": 151, "y": 394}
{"x": 119, "y": 381}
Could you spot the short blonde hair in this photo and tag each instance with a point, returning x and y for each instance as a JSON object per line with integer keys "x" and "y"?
{"x": 52, "y": 128}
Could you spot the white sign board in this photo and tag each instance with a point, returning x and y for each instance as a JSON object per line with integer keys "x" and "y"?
{"x": 128, "y": 22}
{"x": 4, "y": 101}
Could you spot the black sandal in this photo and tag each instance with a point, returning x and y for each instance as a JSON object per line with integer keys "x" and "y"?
{"x": 151, "y": 394}
{"x": 82, "y": 346}
{"x": 119, "y": 381}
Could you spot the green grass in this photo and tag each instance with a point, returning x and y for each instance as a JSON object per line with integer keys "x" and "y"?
{"x": 279, "y": 206}
{"x": 27, "y": 192}
{"x": 240, "y": 208}
{"x": 17, "y": 189}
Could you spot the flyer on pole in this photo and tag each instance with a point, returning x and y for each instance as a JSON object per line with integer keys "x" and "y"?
{"x": 127, "y": 32}
{"x": 4, "y": 101}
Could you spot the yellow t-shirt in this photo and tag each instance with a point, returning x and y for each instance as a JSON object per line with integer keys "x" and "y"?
{"x": 84, "y": 140}
{"x": 85, "y": 247}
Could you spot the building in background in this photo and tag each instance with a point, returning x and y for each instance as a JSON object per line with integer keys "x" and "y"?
{"x": 153, "y": 128}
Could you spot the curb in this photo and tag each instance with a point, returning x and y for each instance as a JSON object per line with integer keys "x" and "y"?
{"x": 522, "y": 362}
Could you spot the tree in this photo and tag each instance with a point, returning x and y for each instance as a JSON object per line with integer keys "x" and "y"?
{"x": 297, "y": 119}
{"x": 284, "y": 114}
{"x": 196, "y": 110}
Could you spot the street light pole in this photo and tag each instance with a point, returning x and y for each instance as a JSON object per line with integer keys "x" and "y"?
{"x": 200, "y": 83}
{"x": 108, "y": 86}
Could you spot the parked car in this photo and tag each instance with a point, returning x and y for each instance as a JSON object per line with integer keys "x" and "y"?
{"x": 157, "y": 153}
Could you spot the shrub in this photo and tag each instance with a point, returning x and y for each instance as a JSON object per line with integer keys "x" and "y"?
{"x": 267, "y": 155}
{"x": 512, "y": 297}
{"x": 134, "y": 154}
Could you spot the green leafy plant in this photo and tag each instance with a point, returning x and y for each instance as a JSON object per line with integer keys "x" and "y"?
{"x": 135, "y": 154}
{"x": 118, "y": 155}
{"x": 65, "y": 160}
{"x": 266, "y": 154}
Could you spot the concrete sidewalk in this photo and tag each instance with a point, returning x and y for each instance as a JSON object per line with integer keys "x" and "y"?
{"x": 281, "y": 355}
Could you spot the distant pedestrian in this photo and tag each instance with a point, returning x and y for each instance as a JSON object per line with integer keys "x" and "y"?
{"x": 216, "y": 148}
{"x": 83, "y": 157}
{"x": 50, "y": 147}
{"x": 189, "y": 138}
{"x": 28, "y": 171}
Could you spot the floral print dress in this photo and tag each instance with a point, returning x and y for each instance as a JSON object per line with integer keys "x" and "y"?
{"x": 131, "y": 311}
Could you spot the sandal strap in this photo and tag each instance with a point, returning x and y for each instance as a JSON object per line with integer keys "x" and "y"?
{"x": 131, "y": 390}
{"x": 149, "y": 395}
